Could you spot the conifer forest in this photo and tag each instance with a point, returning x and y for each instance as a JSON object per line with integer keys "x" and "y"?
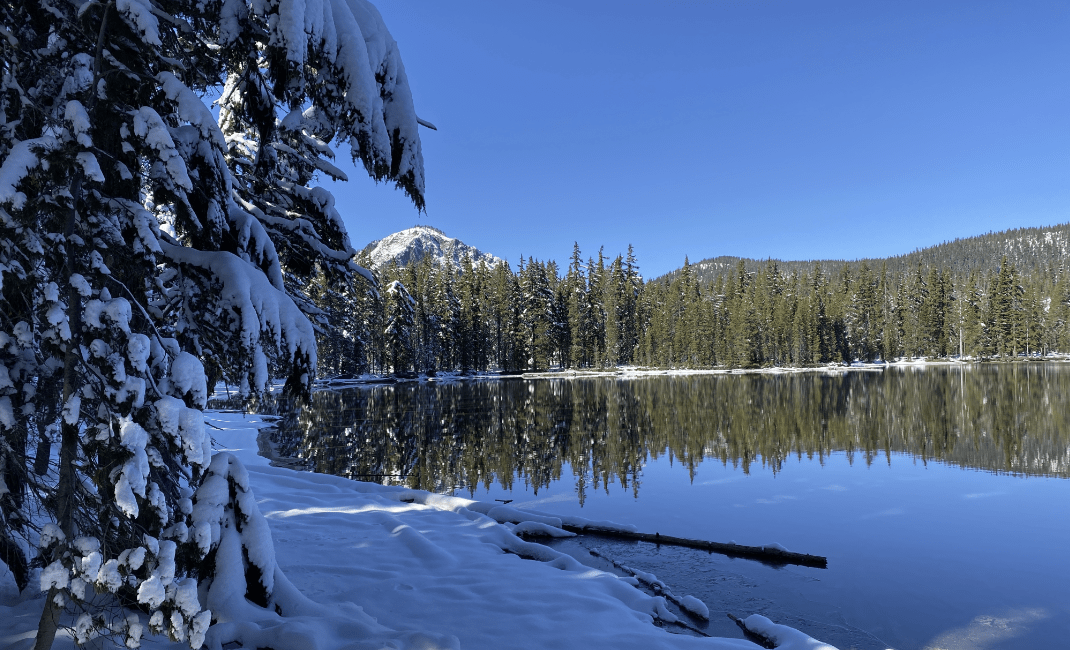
{"x": 599, "y": 312}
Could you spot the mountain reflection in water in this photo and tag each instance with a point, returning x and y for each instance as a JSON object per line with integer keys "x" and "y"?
{"x": 1000, "y": 417}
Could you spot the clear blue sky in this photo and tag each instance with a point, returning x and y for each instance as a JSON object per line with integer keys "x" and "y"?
{"x": 760, "y": 128}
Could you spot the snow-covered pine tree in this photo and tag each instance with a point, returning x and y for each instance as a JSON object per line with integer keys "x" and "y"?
{"x": 127, "y": 252}
{"x": 17, "y": 358}
{"x": 333, "y": 74}
{"x": 536, "y": 299}
{"x": 91, "y": 113}
{"x": 447, "y": 308}
{"x": 471, "y": 334}
{"x": 400, "y": 323}
{"x": 371, "y": 315}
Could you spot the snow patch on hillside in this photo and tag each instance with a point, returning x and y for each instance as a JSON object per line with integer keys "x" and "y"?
{"x": 412, "y": 245}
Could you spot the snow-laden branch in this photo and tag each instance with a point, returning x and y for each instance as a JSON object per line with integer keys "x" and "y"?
{"x": 21, "y": 159}
{"x": 261, "y": 310}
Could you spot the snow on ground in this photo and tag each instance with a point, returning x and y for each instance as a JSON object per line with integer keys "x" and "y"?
{"x": 637, "y": 372}
{"x": 621, "y": 372}
{"x": 434, "y": 571}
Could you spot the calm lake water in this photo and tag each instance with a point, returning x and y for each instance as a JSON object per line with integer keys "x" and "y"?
{"x": 939, "y": 494}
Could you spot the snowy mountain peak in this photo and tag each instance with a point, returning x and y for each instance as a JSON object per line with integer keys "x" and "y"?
{"x": 412, "y": 245}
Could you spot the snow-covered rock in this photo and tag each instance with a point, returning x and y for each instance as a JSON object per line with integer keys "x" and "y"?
{"x": 412, "y": 245}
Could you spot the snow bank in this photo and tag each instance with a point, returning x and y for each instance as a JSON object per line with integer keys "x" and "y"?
{"x": 360, "y": 565}
{"x": 421, "y": 562}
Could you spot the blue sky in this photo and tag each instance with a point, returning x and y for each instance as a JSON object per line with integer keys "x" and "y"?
{"x": 793, "y": 130}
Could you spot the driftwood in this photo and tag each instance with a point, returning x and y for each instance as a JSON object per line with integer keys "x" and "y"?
{"x": 767, "y": 554}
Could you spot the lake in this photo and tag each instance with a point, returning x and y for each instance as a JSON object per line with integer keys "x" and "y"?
{"x": 938, "y": 493}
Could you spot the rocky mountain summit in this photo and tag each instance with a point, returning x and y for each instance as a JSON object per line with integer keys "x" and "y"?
{"x": 412, "y": 245}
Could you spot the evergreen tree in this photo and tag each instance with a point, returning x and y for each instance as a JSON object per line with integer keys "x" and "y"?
{"x": 785, "y": 296}
{"x": 579, "y": 310}
{"x": 518, "y": 346}
{"x": 630, "y": 312}
{"x": 447, "y": 315}
{"x": 932, "y": 315}
{"x": 803, "y": 324}
{"x": 400, "y": 324}
{"x": 862, "y": 316}
{"x": 743, "y": 320}
{"x": 1060, "y": 312}
{"x": 614, "y": 307}
{"x": 82, "y": 315}
{"x": 472, "y": 333}
{"x": 1032, "y": 319}
{"x": 369, "y": 317}
{"x": 596, "y": 279}
{"x": 1001, "y": 316}
{"x": 138, "y": 255}
{"x": 501, "y": 308}
{"x": 821, "y": 332}
{"x": 560, "y": 332}
{"x": 891, "y": 317}
{"x": 536, "y": 301}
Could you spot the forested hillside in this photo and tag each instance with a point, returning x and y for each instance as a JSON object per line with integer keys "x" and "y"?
{"x": 599, "y": 312}
{"x": 1028, "y": 249}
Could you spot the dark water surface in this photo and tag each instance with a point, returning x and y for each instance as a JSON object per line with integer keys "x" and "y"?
{"x": 939, "y": 494}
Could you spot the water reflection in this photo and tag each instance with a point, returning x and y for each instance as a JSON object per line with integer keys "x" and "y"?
{"x": 1008, "y": 418}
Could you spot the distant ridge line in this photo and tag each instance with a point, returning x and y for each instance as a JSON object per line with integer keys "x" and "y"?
{"x": 1028, "y": 248}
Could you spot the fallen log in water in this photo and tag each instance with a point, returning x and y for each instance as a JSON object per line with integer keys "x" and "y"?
{"x": 753, "y": 636}
{"x": 768, "y": 554}
{"x": 659, "y": 589}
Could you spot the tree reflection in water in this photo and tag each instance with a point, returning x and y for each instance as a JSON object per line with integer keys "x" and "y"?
{"x": 1012, "y": 418}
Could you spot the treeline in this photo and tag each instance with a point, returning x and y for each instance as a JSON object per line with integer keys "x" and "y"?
{"x": 427, "y": 317}
{"x": 600, "y": 313}
{"x": 769, "y": 318}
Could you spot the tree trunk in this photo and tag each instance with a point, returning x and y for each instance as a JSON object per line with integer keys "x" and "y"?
{"x": 68, "y": 452}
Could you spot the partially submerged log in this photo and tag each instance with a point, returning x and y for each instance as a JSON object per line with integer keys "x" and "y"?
{"x": 659, "y": 589}
{"x": 752, "y": 635}
{"x": 768, "y": 554}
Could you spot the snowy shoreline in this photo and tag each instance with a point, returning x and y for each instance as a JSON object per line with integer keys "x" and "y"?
{"x": 638, "y": 372}
{"x": 425, "y": 570}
